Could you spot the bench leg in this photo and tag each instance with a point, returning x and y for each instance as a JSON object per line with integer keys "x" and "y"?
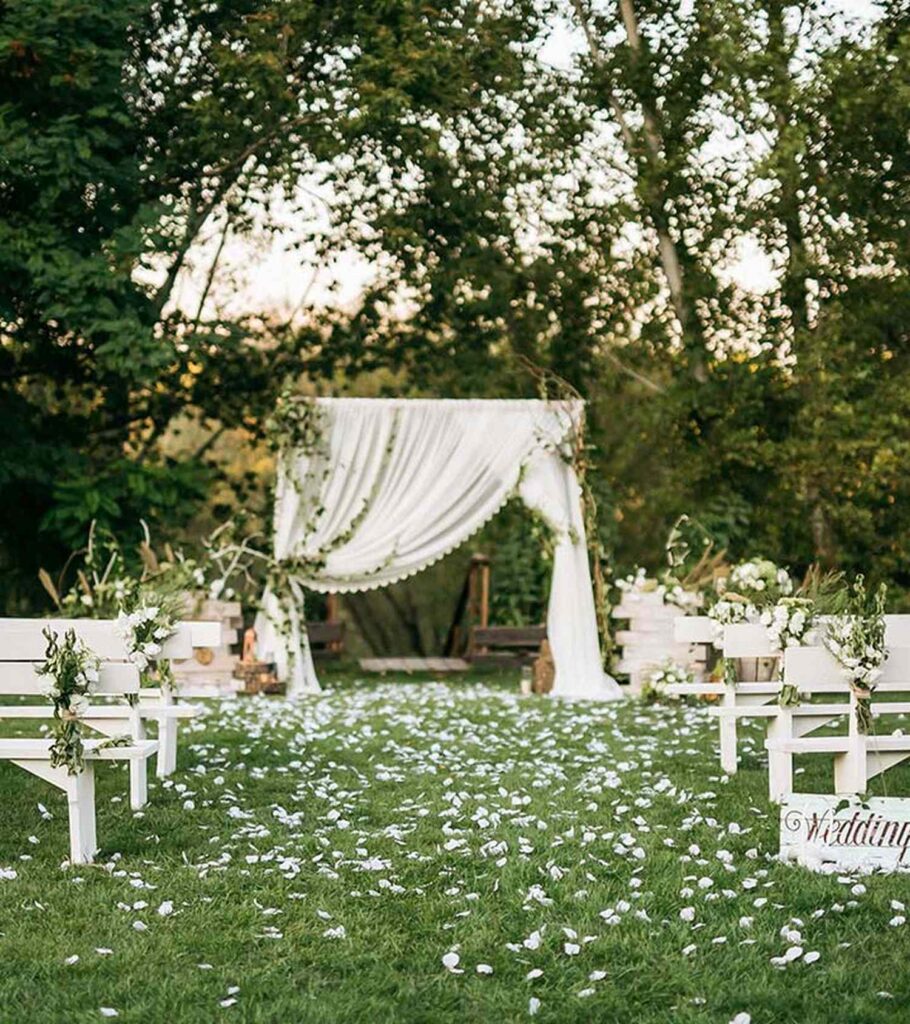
{"x": 167, "y": 747}
{"x": 851, "y": 772}
{"x": 780, "y": 775}
{"x": 850, "y": 775}
{"x": 728, "y": 744}
{"x": 139, "y": 791}
{"x": 80, "y": 795}
{"x": 780, "y": 762}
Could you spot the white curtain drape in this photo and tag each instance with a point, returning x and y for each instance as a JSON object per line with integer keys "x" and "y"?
{"x": 392, "y": 485}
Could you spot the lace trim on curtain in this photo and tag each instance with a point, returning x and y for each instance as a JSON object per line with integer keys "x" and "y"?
{"x": 388, "y": 581}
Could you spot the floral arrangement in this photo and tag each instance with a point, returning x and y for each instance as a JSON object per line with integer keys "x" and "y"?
{"x": 670, "y": 589}
{"x": 145, "y": 629}
{"x": 69, "y": 671}
{"x": 667, "y": 674}
{"x": 856, "y": 638}
{"x": 788, "y": 622}
{"x": 747, "y": 592}
{"x": 758, "y": 581}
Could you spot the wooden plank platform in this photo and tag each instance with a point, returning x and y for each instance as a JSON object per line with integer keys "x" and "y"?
{"x": 414, "y": 665}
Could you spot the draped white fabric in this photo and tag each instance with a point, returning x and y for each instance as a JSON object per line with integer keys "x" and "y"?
{"x": 395, "y": 484}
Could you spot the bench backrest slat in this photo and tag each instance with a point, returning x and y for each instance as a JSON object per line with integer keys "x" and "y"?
{"x": 693, "y": 629}
{"x": 745, "y": 640}
{"x": 815, "y": 670}
{"x": 23, "y": 639}
{"x": 20, "y": 678}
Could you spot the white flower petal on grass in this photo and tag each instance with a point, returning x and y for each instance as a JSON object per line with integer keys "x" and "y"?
{"x": 897, "y": 920}
{"x": 572, "y": 948}
{"x": 166, "y": 909}
{"x": 533, "y": 1005}
{"x": 70, "y": 960}
{"x": 484, "y": 969}
{"x": 687, "y": 914}
{"x": 741, "y": 1018}
{"x": 103, "y": 951}
{"x": 535, "y": 972}
{"x": 451, "y": 961}
{"x": 811, "y": 957}
{"x": 108, "y": 1011}
{"x": 597, "y": 975}
{"x": 8, "y": 874}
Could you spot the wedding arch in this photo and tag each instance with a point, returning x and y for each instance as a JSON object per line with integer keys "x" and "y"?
{"x": 371, "y": 491}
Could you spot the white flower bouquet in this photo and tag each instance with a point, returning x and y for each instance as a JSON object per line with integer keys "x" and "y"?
{"x": 667, "y": 674}
{"x": 669, "y": 588}
{"x": 857, "y": 641}
{"x": 788, "y": 622}
{"x": 758, "y": 581}
{"x": 145, "y": 629}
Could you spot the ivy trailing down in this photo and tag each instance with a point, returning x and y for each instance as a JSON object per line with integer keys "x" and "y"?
{"x": 70, "y": 670}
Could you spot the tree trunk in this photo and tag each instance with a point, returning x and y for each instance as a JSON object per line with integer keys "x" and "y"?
{"x": 647, "y": 154}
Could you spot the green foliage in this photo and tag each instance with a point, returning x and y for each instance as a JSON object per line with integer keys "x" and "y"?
{"x": 520, "y": 546}
{"x": 69, "y": 670}
{"x": 587, "y": 214}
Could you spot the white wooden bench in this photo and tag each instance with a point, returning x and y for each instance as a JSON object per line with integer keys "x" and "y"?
{"x": 858, "y": 756}
{"x": 737, "y": 699}
{"x": 165, "y": 707}
{"x": 22, "y": 651}
{"x": 761, "y": 699}
{"x": 114, "y": 719}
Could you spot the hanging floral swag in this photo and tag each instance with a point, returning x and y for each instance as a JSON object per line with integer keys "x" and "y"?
{"x": 857, "y": 641}
{"x": 70, "y": 670}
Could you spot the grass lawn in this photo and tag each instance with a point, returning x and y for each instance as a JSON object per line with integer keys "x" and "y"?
{"x": 316, "y": 862}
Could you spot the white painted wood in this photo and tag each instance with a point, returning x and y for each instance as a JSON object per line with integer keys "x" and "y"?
{"x": 649, "y": 640}
{"x": 214, "y": 678}
{"x": 831, "y": 833}
{"x": 815, "y": 669}
{"x": 206, "y": 634}
{"x": 747, "y": 640}
{"x": 728, "y": 757}
{"x": 897, "y": 630}
{"x": 21, "y": 678}
{"x": 780, "y": 763}
{"x": 693, "y": 629}
{"x": 23, "y": 640}
{"x": 179, "y": 644}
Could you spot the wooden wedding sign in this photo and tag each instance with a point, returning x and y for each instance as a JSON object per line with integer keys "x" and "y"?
{"x": 846, "y": 832}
